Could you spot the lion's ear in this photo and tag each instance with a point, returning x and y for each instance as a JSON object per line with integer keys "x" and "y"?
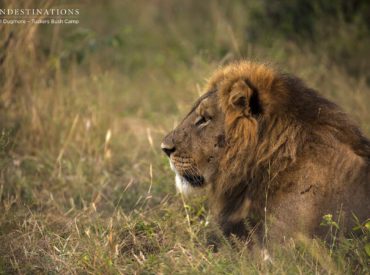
{"x": 243, "y": 98}
{"x": 240, "y": 102}
{"x": 238, "y": 99}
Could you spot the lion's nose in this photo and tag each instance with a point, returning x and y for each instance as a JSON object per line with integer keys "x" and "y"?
{"x": 168, "y": 149}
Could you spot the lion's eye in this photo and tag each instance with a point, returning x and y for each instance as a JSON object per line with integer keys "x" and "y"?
{"x": 201, "y": 121}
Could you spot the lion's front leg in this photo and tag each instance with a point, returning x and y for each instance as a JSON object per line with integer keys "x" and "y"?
{"x": 234, "y": 212}
{"x": 238, "y": 229}
{"x": 230, "y": 211}
{"x": 231, "y": 230}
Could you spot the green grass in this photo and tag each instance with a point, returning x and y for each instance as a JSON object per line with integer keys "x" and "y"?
{"x": 84, "y": 187}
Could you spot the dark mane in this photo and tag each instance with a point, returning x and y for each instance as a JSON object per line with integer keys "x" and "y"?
{"x": 295, "y": 118}
{"x": 312, "y": 110}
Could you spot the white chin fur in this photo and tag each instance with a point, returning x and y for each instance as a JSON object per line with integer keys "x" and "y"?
{"x": 182, "y": 185}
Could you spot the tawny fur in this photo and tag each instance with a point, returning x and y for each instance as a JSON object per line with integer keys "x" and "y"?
{"x": 289, "y": 153}
{"x": 297, "y": 132}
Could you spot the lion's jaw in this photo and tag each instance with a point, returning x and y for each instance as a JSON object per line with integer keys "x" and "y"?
{"x": 182, "y": 185}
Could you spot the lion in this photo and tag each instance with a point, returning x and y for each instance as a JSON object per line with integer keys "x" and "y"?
{"x": 270, "y": 150}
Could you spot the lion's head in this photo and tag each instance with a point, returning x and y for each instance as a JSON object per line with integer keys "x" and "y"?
{"x": 195, "y": 146}
{"x": 223, "y": 122}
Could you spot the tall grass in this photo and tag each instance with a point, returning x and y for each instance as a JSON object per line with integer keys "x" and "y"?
{"x": 84, "y": 187}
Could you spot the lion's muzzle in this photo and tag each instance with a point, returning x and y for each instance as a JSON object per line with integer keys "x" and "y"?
{"x": 186, "y": 182}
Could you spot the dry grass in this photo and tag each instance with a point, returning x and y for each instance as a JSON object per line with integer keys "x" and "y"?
{"x": 84, "y": 187}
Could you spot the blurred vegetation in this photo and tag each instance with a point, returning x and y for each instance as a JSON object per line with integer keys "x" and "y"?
{"x": 338, "y": 30}
{"x": 83, "y": 108}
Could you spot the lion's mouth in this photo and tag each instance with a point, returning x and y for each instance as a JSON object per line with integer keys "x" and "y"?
{"x": 194, "y": 180}
{"x": 186, "y": 180}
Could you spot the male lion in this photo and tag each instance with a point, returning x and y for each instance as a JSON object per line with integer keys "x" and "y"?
{"x": 271, "y": 150}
